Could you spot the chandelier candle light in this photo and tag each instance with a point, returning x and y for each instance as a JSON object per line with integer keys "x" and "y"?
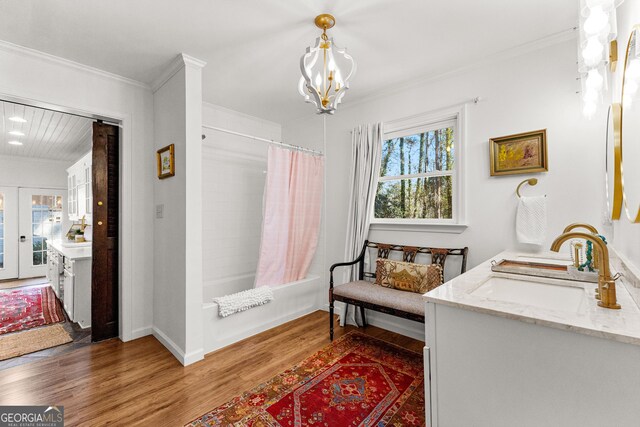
{"x": 324, "y": 81}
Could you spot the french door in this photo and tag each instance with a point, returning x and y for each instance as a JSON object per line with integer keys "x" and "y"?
{"x": 41, "y": 220}
{"x": 8, "y": 233}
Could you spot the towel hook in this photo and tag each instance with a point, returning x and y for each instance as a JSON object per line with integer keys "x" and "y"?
{"x": 530, "y": 181}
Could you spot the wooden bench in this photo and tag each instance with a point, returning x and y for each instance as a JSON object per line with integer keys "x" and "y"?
{"x": 365, "y": 294}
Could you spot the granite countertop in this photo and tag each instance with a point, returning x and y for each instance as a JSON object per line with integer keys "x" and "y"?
{"x": 620, "y": 325}
{"x": 75, "y": 253}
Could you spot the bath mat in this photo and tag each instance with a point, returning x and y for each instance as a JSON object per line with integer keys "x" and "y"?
{"x": 244, "y": 300}
{"x": 356, "y": 381}
{"x": 19, "y": 343}
{"x": 28, "y": 307}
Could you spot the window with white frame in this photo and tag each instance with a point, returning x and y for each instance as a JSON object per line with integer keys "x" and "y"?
{"x": 419, "y": 181}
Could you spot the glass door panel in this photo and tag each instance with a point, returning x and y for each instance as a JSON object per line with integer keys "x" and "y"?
{"x": 41, "y": 221}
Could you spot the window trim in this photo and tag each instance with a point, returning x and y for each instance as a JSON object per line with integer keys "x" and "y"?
{"x": 420, "y": 123}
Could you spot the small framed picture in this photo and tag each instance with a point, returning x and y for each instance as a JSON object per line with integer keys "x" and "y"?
{"x": 518, "y": 154}
{"x": 166, "y": 162}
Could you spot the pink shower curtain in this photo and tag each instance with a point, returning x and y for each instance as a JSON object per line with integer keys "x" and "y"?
{"x": 291, "y": 223}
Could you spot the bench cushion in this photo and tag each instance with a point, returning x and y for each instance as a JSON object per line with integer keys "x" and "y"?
{"x": 364, "y": 291}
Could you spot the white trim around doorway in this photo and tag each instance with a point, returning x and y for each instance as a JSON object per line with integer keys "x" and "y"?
{"x": 126, "y": 239}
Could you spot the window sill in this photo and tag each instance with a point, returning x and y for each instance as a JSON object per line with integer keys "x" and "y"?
{"x": 419, "y": 227}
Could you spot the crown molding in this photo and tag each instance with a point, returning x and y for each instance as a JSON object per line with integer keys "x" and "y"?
{"x": 506, "y": 54}
{"x": 178, "y": 63}
{"x": 47, "y": 57}
{"x": 240, "y": 114}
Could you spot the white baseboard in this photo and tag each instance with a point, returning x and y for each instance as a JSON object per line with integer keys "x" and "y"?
{"x": 193, "y": 357}
{"x": 141, "y": 332}
{"x": 178, "y": 353}
{"x": 401, "y": 326}
{"x": 169, "y": 344}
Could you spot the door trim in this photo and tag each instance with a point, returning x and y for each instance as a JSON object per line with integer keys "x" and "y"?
{"x": 126, "y": 239}
{"x": 11, "y": 239}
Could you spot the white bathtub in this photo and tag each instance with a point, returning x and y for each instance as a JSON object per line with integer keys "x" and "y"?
{"x": 291, "y": 300}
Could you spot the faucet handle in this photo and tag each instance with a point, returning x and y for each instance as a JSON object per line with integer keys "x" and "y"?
{"x": 617, "y": 276}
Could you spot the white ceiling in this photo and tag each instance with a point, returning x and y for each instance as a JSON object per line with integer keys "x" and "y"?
{"x": 47, "y": 134}
{"x": 253, "y": 47}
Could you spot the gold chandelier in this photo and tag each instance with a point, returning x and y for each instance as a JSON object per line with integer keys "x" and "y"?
{"x": 324, "y": 82}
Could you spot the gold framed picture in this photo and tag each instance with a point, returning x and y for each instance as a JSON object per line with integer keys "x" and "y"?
{"x": 519, "y": 153}
{"x": 166, "y": 162}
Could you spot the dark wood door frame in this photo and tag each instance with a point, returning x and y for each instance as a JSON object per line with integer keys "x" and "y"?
{"x": 105, "y": 259}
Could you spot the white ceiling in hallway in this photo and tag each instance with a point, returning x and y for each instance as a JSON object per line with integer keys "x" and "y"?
{"x": 253, "y": 47}
{"x": 47, "y": 134}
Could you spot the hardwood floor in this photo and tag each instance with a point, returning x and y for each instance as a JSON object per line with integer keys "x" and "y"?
{"x": 140, "y": 383}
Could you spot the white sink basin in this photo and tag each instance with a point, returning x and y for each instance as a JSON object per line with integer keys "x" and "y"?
{"x": 543, "y": 260}
{"x": 543, "y": 295}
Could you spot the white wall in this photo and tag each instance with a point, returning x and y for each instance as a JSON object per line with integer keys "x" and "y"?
{"x": 533, "y": 91}
{"x": 233, "y": 178}
{"x": 32, "y": 172}
{"x": 177, "y": 298}
{"x": 626, "y": 235}
{"x": 43, "y": 79}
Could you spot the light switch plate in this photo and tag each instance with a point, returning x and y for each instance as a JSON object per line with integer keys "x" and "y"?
{"x": 159, "y": 211}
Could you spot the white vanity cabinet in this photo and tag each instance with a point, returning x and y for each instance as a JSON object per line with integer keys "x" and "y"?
{"x": 498, "y": 363}
{"x": 80, "y": 190}
{"x": 54, "y": 269}
{"x": 74, "y": 286}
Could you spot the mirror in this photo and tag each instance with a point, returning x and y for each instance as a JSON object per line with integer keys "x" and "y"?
{"x": 631, "y": 127}
{"x": 613, "y": 159}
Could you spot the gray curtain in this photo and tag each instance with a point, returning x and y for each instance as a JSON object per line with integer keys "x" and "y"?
{"x": 366, "y": 152}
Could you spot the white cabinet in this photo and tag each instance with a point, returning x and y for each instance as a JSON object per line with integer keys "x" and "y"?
{"x": 487, "y": 370}
{"x": 80, "y": 190}
{"x": 68, "y": 294}
{"x": 53, "y": 270}
{"x": 73, "y": 287}
{"x": 77, "y": 290}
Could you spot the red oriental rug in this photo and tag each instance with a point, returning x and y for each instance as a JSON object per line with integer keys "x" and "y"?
{"x": 28, "y": 307}
{"x": 356, "y": 381}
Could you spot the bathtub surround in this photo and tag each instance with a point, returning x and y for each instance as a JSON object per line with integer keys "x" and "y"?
{"x": 233, "y": 182}
{"x": 242, "y": 301}
{"x": 291, "y": 223}
{"x": 290, "y": 301}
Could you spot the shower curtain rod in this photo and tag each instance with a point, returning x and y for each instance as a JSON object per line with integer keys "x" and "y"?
{"x": 270, "y": 141}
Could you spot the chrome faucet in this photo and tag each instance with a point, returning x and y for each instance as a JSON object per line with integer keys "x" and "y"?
{"x": 606, "y": 283}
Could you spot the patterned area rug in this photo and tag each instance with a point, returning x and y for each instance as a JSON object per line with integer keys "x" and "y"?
{"x": 26, "y": 308}
{"x": 356, "y": 381}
